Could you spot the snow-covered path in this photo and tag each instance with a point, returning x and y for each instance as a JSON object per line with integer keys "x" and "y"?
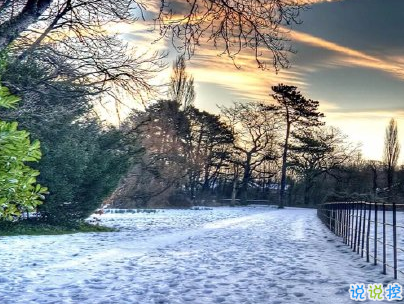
{"x": 225, "y": 255}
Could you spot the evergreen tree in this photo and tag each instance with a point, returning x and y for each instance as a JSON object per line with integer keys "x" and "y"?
{"x": 297, "y": 111}
{"x": 83, "y": 159}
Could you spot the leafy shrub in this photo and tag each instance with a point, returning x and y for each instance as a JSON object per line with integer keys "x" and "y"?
{"x": 19, "y": 191}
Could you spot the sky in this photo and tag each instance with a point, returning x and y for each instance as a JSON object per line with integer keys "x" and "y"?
{"x": 349, "y": 57}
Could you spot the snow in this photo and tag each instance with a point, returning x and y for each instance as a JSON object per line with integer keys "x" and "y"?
{"x": 224, "y": 255}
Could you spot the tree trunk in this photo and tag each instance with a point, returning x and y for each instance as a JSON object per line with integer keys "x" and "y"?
{"x": 374, "y": 188}
{"x": 11, "y": 29}
{"x": 390, "y": 173}
{"x": 390, "y": 177}
{"x": 234, "y": 192}
{"x": 192, "y": 186}
{"x": 205, "y": 185}
{"x": 308, "y": 184}
{"x": 246, "y": 179}
{"x": 284, "y": 167}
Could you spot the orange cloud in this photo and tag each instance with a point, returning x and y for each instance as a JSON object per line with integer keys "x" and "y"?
{"x": 247, "y": 82}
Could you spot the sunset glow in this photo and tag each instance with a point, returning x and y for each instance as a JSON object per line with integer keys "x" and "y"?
{"x": 358, "y": 82}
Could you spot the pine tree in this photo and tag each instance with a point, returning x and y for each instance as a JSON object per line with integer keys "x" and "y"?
{"x": 296, "y": 111}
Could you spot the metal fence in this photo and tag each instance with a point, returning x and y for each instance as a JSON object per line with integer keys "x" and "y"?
{"x": 370, "y": 229}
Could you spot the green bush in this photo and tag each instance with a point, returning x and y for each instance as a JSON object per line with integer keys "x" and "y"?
{"x": 19, "y": 191}
{"x": 82, "y": 165}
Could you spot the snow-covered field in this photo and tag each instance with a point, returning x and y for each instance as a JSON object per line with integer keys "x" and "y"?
{"x": 225, "y": 255}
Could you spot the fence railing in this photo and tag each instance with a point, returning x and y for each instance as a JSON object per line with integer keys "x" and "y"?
{"x": 370, "y": 229}
{"x": 249, "y": 201}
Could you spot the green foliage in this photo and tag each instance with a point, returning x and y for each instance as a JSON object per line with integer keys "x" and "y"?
{"x": 7, "y": 100}
{"x": 82, "y": 165}
{"x": 37, "y": 227}
{"x": 82, "y": 159}
{"x": 19, "y": 191}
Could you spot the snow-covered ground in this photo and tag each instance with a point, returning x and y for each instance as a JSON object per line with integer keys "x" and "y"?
{"x": 225, "y": 255}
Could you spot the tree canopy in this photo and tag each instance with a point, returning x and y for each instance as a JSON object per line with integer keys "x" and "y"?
{"x": 255, "y": 26}
{"x": 298, "y": 111}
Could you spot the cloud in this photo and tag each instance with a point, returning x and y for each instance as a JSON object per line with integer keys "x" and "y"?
{"x": 371, "y": 112}
{"x": 247, "y": 82}
{"x": 311, "y": 2}
{"x": 394, "y": 66}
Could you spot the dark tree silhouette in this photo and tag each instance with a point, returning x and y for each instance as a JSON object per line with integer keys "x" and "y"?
{"x": 254, "y": 127}
{"x": 391, "y": 151}
{"x": 231, "y": 26}
{"x": 374, "y": 166}
{"x": 296, "y": 111}
{"x": 316, "y": 152}
{"x": 208, "y": 143}
{"x": 182, "y": 85}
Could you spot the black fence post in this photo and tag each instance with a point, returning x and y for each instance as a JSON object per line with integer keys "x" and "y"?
{"x": 363, "y": 228}
{"x": 344, "y": 220}
{"x": 384, "y": 239}
{"x": 335, "y": 208}
{"x": 334, "y": 218}
{"x": 395, "y": 239}
{"x": 359, "y": 204}
{"x": 352, "y": 223}
{"x": 368, "y": 233}
{"x": 375, "y": 235}
{"x": 335, "y": 226}
{"x": 338, "y": 219}
{"x": 346, "y": 224}
{"x": 356, "y": 227}
{"x": 341, "y": 224}
{"x": 348, "y": 233}
{"x": 330, "y": 217}
{"x": 341, "y": 207}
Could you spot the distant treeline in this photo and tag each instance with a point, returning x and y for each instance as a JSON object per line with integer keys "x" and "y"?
{"x": 191, "y": 156}
{"x": 174, "y": 155}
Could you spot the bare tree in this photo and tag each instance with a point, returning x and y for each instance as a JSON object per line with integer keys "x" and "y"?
{"x": 163, "y": 167}
{"x": 44, "y": 18}
{"x": 182, "y": 85}
{"x": 232, "y": 26}
{"x": 73, "y": 41}
{"x": 391, "y": 151}
{"x": 207, "y": 144}
{"x": 255, "y": 131}
{"x": 74, "y": 38}
{"x": 317, "y": 152}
